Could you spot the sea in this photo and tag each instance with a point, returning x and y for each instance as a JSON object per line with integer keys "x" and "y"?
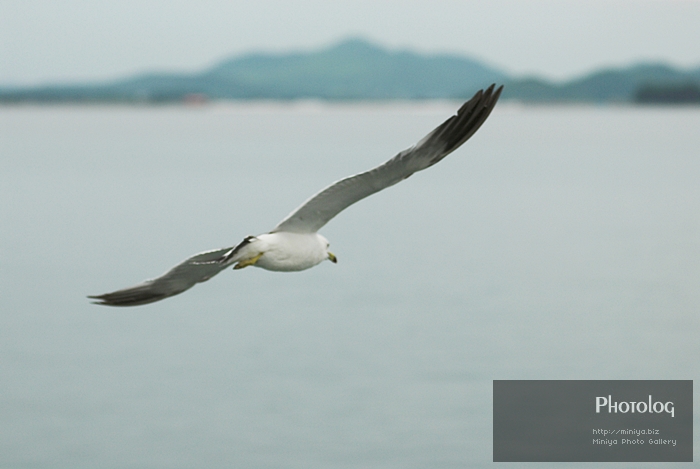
{"x": 560, "y": 242}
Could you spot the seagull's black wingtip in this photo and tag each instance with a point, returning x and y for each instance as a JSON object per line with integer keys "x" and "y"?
{"x": 127, "y": 297}
{"x": 497, "y": 94}
{"x": 100, "y": 300}
{"x": 491, "y": 94}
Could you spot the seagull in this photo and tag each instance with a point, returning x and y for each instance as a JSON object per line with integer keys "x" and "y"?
{"x": 294, "y": 244}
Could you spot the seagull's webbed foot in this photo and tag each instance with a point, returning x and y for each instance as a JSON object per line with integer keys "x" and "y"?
{"x": 247, "y": 262}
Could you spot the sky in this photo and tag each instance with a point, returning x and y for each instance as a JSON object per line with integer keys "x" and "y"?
{"x": 63, "y": 41}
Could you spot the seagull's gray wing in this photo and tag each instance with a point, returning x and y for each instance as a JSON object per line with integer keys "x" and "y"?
{"x": 320, "y": 208}
{"x": 198, "y": 268}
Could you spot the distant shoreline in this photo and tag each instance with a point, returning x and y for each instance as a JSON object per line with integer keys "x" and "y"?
{"x": 317, "y": 104}
{"x": 357, "y": 70}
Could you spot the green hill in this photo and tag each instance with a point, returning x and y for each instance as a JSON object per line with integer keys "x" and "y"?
{"x": 356, "y": 69}
{"x": 353, "y": 69}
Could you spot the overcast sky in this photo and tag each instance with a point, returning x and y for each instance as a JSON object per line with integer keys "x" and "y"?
{"x": 44, "y": 41}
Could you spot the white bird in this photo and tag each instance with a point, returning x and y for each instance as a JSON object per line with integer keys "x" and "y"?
{"x": 294, "y": 244}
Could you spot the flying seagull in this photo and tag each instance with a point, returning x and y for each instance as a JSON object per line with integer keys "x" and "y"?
{"x": 294, "y": 244}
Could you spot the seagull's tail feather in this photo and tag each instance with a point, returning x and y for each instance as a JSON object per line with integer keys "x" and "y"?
{"x": 228, "y": 257}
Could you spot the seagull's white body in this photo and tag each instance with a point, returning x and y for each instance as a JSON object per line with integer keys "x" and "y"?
{"x": 294, "y": 244}
{"x": 286, "y": 252}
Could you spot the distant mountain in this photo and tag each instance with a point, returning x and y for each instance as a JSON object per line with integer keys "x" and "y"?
{"x": 353, "y": 69}
{"x": 356, "y": 69}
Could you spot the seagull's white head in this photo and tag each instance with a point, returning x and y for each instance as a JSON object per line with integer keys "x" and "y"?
{"x": 325, "y": 244}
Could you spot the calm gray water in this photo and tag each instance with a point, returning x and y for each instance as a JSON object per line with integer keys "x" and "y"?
{"x": 559, "y": 243}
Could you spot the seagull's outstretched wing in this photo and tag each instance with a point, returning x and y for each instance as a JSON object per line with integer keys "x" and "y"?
{"x": 320, "y": 208}
{"x": 198, "y": 268}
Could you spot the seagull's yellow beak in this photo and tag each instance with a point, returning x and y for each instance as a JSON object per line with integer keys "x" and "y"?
{"x": 332, "y": 258}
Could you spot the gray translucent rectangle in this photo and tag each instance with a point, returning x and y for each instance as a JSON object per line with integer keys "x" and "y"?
{"x": 596, "y": 421}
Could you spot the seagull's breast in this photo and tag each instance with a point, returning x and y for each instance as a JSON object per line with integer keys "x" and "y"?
{"x": 289, "y": 252}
